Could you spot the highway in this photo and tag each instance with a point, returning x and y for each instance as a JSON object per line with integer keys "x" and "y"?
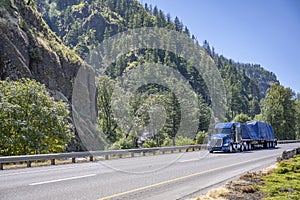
{"x": 169, "y": 176}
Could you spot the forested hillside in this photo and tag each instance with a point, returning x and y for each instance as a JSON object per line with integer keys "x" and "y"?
{"x": 52, "y": 37}
{"x": 82, "y": 25}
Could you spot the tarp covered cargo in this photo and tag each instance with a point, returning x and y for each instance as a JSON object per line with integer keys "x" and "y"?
{"x": 225, "y": 125}
{"x": 257, "y": 131}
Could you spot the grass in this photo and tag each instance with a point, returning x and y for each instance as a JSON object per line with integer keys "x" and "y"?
{"x": 284, "y": 182}
{"x": 277, "y": 182}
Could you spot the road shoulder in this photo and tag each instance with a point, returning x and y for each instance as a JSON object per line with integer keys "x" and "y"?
{"x": 243, "y": 188}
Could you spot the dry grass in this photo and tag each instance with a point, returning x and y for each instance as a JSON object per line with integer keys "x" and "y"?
{"x": 218, "y": 193}
{"x": 245, "y": 188}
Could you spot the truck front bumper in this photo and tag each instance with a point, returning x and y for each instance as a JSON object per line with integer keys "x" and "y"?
{"x": 223, "y": 148}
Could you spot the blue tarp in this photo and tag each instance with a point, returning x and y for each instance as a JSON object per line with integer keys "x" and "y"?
{"x": 225, "y": 125}
{"x": 257, "y": 131}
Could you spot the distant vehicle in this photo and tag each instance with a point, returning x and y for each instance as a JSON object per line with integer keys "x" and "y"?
{"x": 232, "y": 136}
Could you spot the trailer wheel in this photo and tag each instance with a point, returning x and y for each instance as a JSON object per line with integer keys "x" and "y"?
{"x": 249, "y": 146}
{"x": 264, "y": 145}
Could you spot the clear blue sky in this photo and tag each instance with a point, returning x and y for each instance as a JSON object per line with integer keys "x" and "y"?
{"x": 265, "y": 32}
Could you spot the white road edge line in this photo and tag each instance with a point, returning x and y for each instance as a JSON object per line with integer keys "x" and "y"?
{"x": 63, "y": 179}
{"x": 57, "y": 168}
{"x": 190, "y": 160}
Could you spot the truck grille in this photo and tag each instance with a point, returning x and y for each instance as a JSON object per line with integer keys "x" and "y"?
{"x": 216, "y": 142}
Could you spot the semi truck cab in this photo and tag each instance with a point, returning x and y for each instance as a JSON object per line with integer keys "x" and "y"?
{"x": 225, "y": 137}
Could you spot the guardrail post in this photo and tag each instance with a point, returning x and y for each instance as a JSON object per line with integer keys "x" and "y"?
{"x": 298, "y": 150}
{"x": 106, "y": 157}
{"x": 172, "y": 151}
{"x": 1, "y": 166}
{"x": 73, "y": 160}
{"x": 132, "y": 154}
{"x": 52, "y": 161}
{"x": 29, "y": 163}
{"x": 91, "y": 158}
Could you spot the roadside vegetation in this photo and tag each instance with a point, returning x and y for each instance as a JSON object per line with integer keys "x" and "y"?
{"x": 278, "y": 182}
{"x": 31, "y": 121}
{"x": 284, "y": 182}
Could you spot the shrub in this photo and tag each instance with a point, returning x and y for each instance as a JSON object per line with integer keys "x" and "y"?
{"x": 31, "y": 121}
{"x": 182, "y": 141}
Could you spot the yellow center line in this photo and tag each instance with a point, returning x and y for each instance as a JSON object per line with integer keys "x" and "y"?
{"x": 179, "y": 178}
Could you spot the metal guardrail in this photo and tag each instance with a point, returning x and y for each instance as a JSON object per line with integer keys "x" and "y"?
{"x": 91, "y": 154}
{"x": 106, "y": 154}
{"x": 287, "y": 141}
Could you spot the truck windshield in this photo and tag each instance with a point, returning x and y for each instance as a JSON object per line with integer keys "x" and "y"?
{"x": 223, "y": 131}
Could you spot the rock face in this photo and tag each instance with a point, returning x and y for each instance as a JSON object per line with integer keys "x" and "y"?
{"x": 28, "y": 48}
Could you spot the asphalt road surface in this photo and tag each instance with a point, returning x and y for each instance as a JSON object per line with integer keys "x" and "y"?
{"x": 169, "y": 176}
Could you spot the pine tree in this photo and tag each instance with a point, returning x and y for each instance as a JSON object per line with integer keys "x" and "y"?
{"x": 178, "y": 24}
{"x": 278, "y": 109}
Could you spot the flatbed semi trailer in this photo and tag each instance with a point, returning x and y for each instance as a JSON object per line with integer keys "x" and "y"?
{"x": 233, "y": 136}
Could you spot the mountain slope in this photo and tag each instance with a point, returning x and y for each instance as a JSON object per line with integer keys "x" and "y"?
{"x": 82, "y": 25}
{"x": 264, "y": 78}
{"x": 49, "y": 42}
{"x": 28, "y": 48}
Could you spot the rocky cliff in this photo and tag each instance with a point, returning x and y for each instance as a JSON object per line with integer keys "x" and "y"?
{"x": 28, "y": 48}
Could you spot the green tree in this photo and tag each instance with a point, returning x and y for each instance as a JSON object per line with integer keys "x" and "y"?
{"x": 31, "y": 122}
{"x": 258, "y": 117}
{"x": 201, "y": 137}
{"x": 278, "y": 109}
{"x": 174, "y": 116}
{"x": 242, "y": 118}
{"x": 178, "y": 24}
{"x": 105, "y": 114}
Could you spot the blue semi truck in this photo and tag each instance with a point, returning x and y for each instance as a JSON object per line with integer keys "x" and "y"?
{"x": 233, "y": 136}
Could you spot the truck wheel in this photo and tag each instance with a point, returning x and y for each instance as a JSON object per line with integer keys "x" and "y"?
{"x": 230, "y": 148}
{"x": 211, "y": 151}
{"x": 242, "y": 148}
